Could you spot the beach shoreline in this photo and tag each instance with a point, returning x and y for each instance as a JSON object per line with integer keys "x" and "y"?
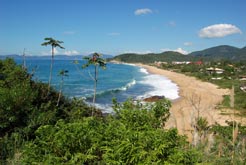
{"x": 196, "y": 99}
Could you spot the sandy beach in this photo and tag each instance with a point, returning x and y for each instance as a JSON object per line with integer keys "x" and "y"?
{"x": 197, "y": 98}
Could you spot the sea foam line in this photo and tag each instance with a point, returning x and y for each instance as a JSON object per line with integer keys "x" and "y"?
{"x": 128, "y": 85}
{"x": 143, "y": 70}
{"x": 161, "y": 86}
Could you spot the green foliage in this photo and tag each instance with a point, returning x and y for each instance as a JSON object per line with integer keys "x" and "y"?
{"x": 69, "y": 143}
{"x": 15, "y": 96}
{"x": 202, "y": 127}
{"x": 222, "y": 52}
{"x": 95, "y": 60}
{"x": 150, "y": 114}
{"x": 52, "y": 42}
{"x": 63, "y": 73}
{"x": 226, "y": 101}
{"x": 25, "y": 106}
{"x": 223, "y": 150}
{"x": 132, "y": 136}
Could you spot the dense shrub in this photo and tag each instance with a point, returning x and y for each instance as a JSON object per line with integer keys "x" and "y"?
{"x": 26, "y": 105}
{"x": 132, "y": 136}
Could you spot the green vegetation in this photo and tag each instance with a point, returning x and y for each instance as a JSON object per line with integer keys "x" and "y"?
{"x": 34, "y": 129}
{"x": 222, "y": 52}
{"x": 217, "y": 53}
{"x": 132, "y": 136}
{"x": 151, "y": 58}
{"x": 63, "y": 73}
{"x": 25, "y": 106}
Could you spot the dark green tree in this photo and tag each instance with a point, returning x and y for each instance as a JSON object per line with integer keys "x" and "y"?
{"x": 54, "y": 43}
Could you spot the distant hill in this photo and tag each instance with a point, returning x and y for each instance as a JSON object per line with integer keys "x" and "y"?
{"x": 105, "y": 56}
{"x": 152, "y": 57}
{"x": 57, "y": 57}
{"x": 14, "y": 56}
{"x": 221, "y": 52}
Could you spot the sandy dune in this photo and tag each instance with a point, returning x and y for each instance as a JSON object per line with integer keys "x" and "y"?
{"x": 197, "y": 98}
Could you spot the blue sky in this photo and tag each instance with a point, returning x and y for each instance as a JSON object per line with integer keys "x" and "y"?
{"x": 121, "y": 26}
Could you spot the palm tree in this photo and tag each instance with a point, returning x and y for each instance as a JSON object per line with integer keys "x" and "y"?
{"x": 62, "y": 73}
{"x": 97, "y": 62}
{"x": 54, "y": 43}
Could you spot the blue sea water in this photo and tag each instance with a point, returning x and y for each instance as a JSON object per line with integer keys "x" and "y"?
{"x": 120, "y": 81}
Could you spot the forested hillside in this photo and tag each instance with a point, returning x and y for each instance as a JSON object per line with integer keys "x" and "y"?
{"x": 217, "y": 53}
{"x": 151, "y": 58}
{"x": 223, "y": 52}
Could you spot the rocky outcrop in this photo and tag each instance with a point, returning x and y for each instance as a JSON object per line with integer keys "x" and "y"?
{"x": 153, "y": 98}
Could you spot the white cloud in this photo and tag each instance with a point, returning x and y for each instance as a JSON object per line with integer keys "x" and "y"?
{"x": 180, "y": 50}
{"x": 218, "y": 31}
{"x": 55, "y": 51}
{"x": 114, "y": 34}
{"x": 188, "y": 44}
{"x": 138, "y": 52}
{"x": 88, "y": 53}
{"x": 50, "y": 52}
{"x": 143, "y": 11}
{"x": 71, "y": 52}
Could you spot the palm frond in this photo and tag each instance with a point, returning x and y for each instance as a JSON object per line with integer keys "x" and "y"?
{"x": 52, "y": 42}
{"x": 46, "y": 43}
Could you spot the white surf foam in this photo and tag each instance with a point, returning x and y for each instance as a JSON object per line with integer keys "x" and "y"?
{"x": 105, "y": 108}
{"x": 128, "y": 85}
{"x": 162, "y": 87}
{"x": 143, "y": 70}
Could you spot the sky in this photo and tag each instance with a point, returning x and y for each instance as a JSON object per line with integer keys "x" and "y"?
{"x": 120, "y": 26}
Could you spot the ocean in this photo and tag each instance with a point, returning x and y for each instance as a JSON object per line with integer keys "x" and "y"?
{"x": 120, "y": 81}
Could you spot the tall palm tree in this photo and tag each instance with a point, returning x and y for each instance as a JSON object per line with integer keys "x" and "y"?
{"x": 97, "y": 61}
{"x": 63, "y": 73}
{"x": 54, "y": 43}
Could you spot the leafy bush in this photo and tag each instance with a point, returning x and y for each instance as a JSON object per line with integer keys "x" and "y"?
{"x": 25, "y": 106}
{"x": 132, "y": 136}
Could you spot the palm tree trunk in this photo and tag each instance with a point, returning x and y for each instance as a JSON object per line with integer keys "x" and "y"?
{"x": 60, "y": 92}
{"x": 51, "y": 68}
{"x": 95, "y": 90}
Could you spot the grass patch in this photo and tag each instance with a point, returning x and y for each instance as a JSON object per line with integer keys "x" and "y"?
{"x": 226, "y": 101}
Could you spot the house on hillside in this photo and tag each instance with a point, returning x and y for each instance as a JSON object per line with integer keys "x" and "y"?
{"x": 214, "y": 70}
{"x": 197, "y": 63}
{"x": 180, "y": 62}
{"x": 242, "y": 78}
{"x": 159, "y": 63}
